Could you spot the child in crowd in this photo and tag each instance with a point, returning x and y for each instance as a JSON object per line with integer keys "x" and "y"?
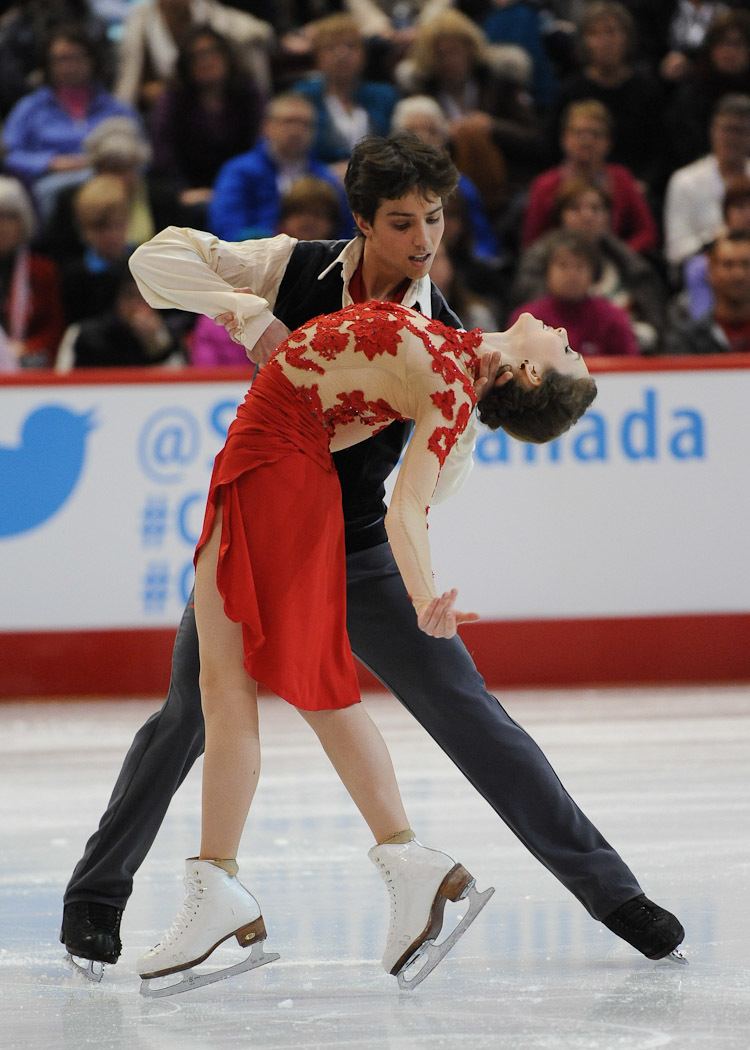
{"x": 593, "y": 324}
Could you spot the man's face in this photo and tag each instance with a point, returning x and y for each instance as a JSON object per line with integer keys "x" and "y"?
{"x": 729, "y": 272}
{"x": 404, "y": 234}
{"x": 427, "y": 130}
{"x": 289, "y": 129}
{"x": 730, "y": 137}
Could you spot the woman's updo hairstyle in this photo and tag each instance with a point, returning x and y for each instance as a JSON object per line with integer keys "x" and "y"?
{"x": 540, "y": 414}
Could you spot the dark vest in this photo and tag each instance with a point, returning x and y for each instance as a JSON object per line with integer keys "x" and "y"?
{"x": 363, "y": 467}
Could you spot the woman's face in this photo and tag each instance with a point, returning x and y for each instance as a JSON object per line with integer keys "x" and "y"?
{"x": 453, "y": 57}
{"x": 11, "y": 232}
{"x": 342, "y": 58}
{"x": 569, "y": 275}
{"x": 207, "y": 62}
{"x": 606, "y": 43}
{"x": 587, "y": 214}
{"x": 730, "y": 54}
{"x": 69, "y": 64}
{"x": 544, "y": 348}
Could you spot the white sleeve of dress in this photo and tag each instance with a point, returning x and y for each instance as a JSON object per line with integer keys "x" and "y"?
{"x": 459, "y": 463}
{"x": 191, "y": 270}
{"x": 406, "y": 520}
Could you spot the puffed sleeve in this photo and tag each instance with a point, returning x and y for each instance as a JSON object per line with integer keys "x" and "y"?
{"x": 191, "y": 270}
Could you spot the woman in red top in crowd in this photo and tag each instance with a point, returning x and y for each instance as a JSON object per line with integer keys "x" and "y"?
{"x": 586, "y": 140}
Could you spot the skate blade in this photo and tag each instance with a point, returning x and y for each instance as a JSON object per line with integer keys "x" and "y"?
{"x": 677, "y": 956}
{"x": 432, "y": 953}
{"x": 93, "y": 971}
{"x": 190, "y": 980}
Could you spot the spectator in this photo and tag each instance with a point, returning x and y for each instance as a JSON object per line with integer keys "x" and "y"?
{"x": 423, "y": 117}
{"x": 722, "y": 68}
{"x": 633, "y": 96}
{"x": 45, "y": 132}
{"x": 90, "y": 281}
{"x": 725, "y": 328}
{"x": 347, "y": 107}
{"x": 210, "y": 112}
{"x": 696, "y": 298}
{"x": 247, "y": 195}
{"x": 474, "y": 311}
{"x": 118, "y": 147}
{"x": 586, "y": 139}
{"x": 31, "y": 313}
{"x": 310, "y": 211}
{"x": 593, "y": 324}
{"x": 154, "y": 30}
{"x": 25, "y": 28}
{"x": 625, "y": 278}
{"x": 132, "y": 334}
{"x": 493, "y": 127}
{"x": 393, "y": 21}
{"x": 692, "y": 209}
{"x": 520, "y": 23}
{"x": 686, "y": 30}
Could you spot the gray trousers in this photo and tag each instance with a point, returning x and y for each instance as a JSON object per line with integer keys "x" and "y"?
{"x": 436, "y": 680}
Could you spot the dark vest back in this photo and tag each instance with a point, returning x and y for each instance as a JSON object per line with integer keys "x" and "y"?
{"x": 363, "y": 468}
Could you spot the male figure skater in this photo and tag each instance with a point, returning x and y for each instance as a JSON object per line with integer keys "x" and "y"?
{"x": 396, "y": 187}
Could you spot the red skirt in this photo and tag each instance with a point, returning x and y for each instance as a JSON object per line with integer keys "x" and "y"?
{"x": 282, "y": 566}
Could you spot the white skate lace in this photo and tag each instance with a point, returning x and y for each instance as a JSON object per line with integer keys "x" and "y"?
{"x": 194, "y": 895}
{"x": 385, "y": 872}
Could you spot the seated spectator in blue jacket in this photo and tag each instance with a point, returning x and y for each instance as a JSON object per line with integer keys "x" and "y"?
{"x": 247, "y": 194}
{"x": 44, "y": 134}
{"x": 348, "y": 107}
{"x": 696, "y": 298}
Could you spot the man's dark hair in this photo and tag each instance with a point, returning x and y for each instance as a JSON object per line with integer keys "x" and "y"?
{"x": 540, "y": 414}
{"x": 386, "y": 168}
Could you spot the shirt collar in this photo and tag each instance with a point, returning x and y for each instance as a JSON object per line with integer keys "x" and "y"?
{"x": 418, "y": 294}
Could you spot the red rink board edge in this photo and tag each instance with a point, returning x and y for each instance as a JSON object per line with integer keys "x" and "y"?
{"x": 532, "y": 653}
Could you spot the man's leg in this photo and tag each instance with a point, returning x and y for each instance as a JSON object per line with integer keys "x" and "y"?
{"x": 436, "y": 680}
{"x": 161, "y": 755}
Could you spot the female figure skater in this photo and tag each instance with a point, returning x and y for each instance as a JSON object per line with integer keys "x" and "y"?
{"x": 270, "y": 586}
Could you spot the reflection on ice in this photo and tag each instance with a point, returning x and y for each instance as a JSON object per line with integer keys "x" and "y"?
{"x": 663, "y": 773}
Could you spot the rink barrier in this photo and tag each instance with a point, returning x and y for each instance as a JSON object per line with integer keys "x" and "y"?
{"x": 639, "y": 647}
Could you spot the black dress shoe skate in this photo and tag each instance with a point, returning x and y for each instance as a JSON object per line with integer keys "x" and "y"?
{"x": 92, "y": 931}
{"x": 648, "y": 927}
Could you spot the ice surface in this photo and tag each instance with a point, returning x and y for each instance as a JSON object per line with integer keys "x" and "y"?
{"x": 664, "y": 773}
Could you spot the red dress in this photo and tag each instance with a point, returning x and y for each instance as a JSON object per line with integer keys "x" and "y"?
{"x": 282, "y": 566}
{"x": 282, "y": 563}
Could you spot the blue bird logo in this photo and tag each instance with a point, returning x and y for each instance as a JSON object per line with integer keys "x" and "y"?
{"x": 40, "y": 474}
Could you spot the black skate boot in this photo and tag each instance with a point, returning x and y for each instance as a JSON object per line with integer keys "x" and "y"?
{"x": 91, "y": 931}
{"x": 649, "y": 928}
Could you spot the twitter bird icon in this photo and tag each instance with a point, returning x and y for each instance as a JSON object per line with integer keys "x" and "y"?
{"x": 41, "y": 473}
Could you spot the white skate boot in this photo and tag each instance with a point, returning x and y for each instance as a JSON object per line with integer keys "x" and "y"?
{"x": 217, "y": 906}
{"x": 420, "y": 881}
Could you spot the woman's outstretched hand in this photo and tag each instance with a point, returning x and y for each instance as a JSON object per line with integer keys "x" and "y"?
{"x": 440, "y": 620}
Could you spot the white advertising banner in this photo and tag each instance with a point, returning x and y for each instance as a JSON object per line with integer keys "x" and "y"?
{"x": 642, "y": 509}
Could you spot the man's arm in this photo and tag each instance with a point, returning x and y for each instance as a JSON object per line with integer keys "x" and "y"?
{"x": 191, "y": 270}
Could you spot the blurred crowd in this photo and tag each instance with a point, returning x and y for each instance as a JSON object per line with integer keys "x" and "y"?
{"x": 604, "y": 152}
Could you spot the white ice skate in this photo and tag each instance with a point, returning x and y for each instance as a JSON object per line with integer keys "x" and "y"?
{"x": 420, "y": 881}
{"x": 217, "y": 906}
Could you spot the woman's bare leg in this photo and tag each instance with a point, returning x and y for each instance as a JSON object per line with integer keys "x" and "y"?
{"x": 231, "y": 765}
{"x": 359, "y": 755}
